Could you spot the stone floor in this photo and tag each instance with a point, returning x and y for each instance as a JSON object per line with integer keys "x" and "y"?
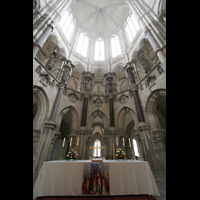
{"x": 161, "y": 184}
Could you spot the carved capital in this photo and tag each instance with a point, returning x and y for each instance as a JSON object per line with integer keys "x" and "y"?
{"x": 112, "y": 130}
{"x": 50, "y": 124}
{"x": 158, "y": 135}
{"x": 134, "y": 86}
{"x": 82, "y": 130}
{"x": 143, "y": 126}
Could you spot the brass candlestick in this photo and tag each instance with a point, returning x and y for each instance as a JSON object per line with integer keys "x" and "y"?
{"x": 61, "y": 153}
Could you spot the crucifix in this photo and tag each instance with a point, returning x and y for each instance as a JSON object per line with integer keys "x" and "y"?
{"x": 97, "y": 147}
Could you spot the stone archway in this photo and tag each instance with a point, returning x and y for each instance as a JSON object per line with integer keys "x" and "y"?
{"x": 75, "y": 121}
{"x": 127, "y": 122}
{"x": 101, "y": 134}
{"x": 41, "y": 99}
{"x": 155, "y": 102}
{"x": 93, "y": 116}
{"x": 156, "y": 115}
{"x": 67, "y": 121}
{"x": 40, "y": 111}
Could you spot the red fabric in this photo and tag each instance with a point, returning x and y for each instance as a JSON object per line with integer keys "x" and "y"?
{"x": 121, "y": 197}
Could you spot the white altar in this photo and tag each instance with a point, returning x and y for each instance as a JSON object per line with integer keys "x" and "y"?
{"x": 64, "y": 178}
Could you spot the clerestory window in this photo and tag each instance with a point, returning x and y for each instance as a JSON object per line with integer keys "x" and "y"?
{"x": 99, "y": 50}
{"x": 131, "y": 27}
{"x": 82, "y": 45}
{"x": 67, "y": 24}
{"x": 115, "y": 46}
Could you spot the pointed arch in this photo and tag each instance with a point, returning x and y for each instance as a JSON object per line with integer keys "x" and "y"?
{"x": 94, "y": 115}
{"x": 120, "y": 65}
{"x": 122, "y": 114}
{"x": 150, "y": 107}
{"x": 42, "y": 100}
{"x": 75, "y": 118}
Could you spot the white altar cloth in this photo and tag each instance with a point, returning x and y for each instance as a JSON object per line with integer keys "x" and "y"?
{"x": 64, "y": 178}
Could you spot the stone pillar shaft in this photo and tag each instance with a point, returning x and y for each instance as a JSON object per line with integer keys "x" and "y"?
{"x": 84, "y": 112}
{"x": 112, "y": 121}
{"x": 148, "y": 33}
{"x": 56, "y": 17}
{"x": 138, "y": 106}
{"x": 56, "y": 103}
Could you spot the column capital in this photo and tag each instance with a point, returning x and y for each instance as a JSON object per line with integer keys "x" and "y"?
{"x": 82, "y": 130}
{"x": 86, "y": 94}
{"x": 51, "y": 26}
{"x": 112, "y": 130}
{"x": 143, "y": 126}
{"x": 62, "y": 85}
{"x": 50, "y": 124}
{"x": 110, "y": 95}
{"x": 134, "y": 87}
{"x": 147, "y": 30}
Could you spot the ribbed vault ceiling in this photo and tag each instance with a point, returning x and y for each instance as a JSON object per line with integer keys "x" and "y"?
{"x": 99, "y": 18}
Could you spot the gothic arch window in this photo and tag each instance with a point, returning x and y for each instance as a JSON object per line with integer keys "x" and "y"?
{"x": 115, "y": 46}
{"x": 97, "y": 151}
{"x": 82, "y": 45}
{"x": 135, "y": 147}
{"x": 99, "y": 50}
{"x": 131, "y": 27}
{"x": 67, "y": 24}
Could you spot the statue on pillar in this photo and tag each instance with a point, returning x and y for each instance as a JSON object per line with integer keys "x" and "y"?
{"x": 87, "y": 82}
{"x": 144, "y": 61}
{"x": 67, "y": 72}
{"x": 52, "y": 58}
{"x": 129, "y": 74}
{"x": 109, "y": 82}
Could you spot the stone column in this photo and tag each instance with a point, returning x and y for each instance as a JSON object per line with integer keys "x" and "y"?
{"x": 133, "y": 86}
{"x": 142, "y": 126}
{"x": 51, "y": 124}
{"x": 82, "y": 131}
{"x": 81, "y": 151}
{"x": 43, "y": 37}
{"x": 112, "y": 132}
{"x": 84, "y": 111}
{"x": 112, "y": 121}
{"x": 152, "y": 41}
{"x": 38, "y": 45}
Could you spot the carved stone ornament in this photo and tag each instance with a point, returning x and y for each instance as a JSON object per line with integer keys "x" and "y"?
{"x": 150, "y": 81}
{"x": 123, "y": 98}
{"x": 130, "y": 75}
{"x": 46, "y": 79}
{"x": 73, "y": 97}
{"x": 98, "y": 102}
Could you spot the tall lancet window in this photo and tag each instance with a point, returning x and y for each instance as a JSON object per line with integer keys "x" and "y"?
{"x": 99, "y": 49}
{"x": 131, "y": 27}
{"x": 116, "y": 50}
{"x": 82, "y": 45}
{"x": 135, "y": 147}
{"x": 67, "y": 24}
{"x": 97, "y": 151}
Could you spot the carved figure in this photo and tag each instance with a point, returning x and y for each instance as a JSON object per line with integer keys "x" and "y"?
{"x": 88, "y": 84}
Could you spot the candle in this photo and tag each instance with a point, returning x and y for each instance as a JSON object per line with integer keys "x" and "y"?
{"x": 117, "y": 141}
{"x": 123, "y": 142}
{"x": 63, "y": 143}
{"x": 77, "y": 141}
{"x": 129, "y": 142}
{"x": 70, "y": 142}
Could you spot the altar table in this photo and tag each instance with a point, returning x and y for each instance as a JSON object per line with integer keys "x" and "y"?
{"x": 64, "y": 178}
